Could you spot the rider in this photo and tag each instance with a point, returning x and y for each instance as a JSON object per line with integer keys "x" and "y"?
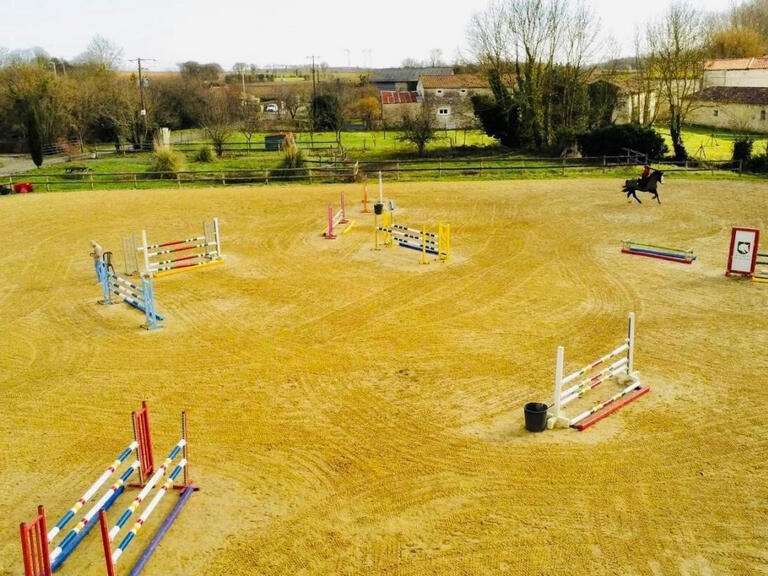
{"x": 644, "y": 175}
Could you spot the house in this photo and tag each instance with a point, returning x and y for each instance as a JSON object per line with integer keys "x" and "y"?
{"x": 629, "y": 99}
{"x": 740, "y": 108}
{"x": 736, "y": 72}
{"x": 449, "y": 97}
{"x": 404, "y": 79}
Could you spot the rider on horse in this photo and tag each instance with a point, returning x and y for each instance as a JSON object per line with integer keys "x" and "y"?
{"x": 644, "y": 176}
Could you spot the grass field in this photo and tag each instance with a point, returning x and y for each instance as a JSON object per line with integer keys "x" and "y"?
{"x": 352, "y": 412}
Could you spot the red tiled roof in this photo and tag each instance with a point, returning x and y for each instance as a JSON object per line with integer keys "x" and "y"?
{"x": 737, "y": 64}
{"x": 733, "y": 95}
{"x": 395, "y": 97}
{"x": 454, "y": 81}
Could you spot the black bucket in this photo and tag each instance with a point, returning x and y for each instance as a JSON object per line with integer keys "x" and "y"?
{"x": 535, "y": 416}
{"x": 378, "y": 208}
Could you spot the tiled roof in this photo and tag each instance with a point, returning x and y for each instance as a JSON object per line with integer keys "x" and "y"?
{"x": 737, "y": 64}
{"x": 391, "y": 97}
{"x": 407, "y": 74}
{"x": 454, "y": 81}
{"x": 733, "y": 95}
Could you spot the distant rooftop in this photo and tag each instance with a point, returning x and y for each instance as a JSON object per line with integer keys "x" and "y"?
{"x": 395, "y": 97}
{"x": 454, "y": 81}
{"x": 733, "y": 95}
{"x": 407, "y": 74}
{"x": 737, "y": 64}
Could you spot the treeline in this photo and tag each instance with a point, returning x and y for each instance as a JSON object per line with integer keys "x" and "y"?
{"x": 537, "y": 54}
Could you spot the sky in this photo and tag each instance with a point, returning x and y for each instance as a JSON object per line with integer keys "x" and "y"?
{"x": 278, "y": 32}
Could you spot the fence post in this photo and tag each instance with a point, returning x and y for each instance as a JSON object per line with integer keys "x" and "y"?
{"x": 481, "y": 168}
{"x": 135, "y": 185}
{"x": 440, "y": 169}
{"x": 603, "y": 163}
{"x": 223, "y": 178}
{"x": 741, "y": 167}
{"x": 563, "y": 165}
{"x": 266, "y": 176}
{"x": 91, "y": 178}
{"x": 178, "y": 180}
{"x": 398, "y": 171}
{"x": 47, "y": 186}
{"x": 310, "y": 175}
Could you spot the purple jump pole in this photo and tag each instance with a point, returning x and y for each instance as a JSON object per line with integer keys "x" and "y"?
{"x": 150, "y": 549}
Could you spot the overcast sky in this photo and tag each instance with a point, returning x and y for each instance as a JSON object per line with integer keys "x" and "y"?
{"x": 381, "y": 33}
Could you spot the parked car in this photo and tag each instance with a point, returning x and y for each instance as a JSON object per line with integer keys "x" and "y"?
{"x": 271, "y": 108}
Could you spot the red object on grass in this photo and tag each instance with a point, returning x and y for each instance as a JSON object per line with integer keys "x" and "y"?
{"x": 23, "y": 187}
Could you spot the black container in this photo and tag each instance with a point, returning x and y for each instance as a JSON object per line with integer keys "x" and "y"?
{"x": 378, "y": 208}
{"x": 535, "y": 416}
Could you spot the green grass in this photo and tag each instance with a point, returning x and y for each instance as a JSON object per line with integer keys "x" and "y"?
{"x": 709, "y": 144}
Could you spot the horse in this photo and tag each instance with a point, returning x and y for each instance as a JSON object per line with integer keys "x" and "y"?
{"x": 631, "y": 187}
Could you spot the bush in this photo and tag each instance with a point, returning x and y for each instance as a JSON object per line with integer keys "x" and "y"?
{"x": 742, "y": 148}
{"x": 203, "y": 154}
{"x": 292, "y": 162}
{"x": 165, "y": 164}
{"x": 612, "y": 141}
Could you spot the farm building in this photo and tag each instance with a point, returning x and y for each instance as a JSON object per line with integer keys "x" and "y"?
{"x": 450, "y": 97}
{"x": 747, "y": 72}
{"x": 404, "y": 79}
{"x": 731, "y": 107}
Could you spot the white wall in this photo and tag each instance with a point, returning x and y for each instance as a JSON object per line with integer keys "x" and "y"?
{"x": 758, "y": 78}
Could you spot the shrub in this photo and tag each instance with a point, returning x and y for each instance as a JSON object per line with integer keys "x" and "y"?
{"x": 203, "y": 154}
{"x": 165, "y": 164}
{"x": 292, "y": 162}
{"x": 612, "y": 141}
{"x": 742, "y": 148}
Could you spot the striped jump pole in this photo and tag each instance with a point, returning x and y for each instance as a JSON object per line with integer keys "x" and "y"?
{"x": 336, "y": 219}
{"x": 595, "y": 374}
{"x": 208, "y": 247}
{"x": 682, "y": 255}
{"x": 438, "y": 244}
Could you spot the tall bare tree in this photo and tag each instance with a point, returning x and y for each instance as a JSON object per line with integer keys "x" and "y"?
{"x": 102, "y": 52}
{"x": 677, "y": 44}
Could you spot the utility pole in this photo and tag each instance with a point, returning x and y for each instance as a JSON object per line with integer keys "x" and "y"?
{"x": 314, "y": 95}
{"x": 143, "y": 111}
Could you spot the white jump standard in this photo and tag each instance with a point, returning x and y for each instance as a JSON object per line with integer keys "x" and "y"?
{"x": 590, "y": 377}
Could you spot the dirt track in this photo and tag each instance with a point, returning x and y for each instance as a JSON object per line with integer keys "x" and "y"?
{"x": 353, "y": 413}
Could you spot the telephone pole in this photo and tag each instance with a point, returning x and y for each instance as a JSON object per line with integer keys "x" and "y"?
{"x": 143, "y": 111}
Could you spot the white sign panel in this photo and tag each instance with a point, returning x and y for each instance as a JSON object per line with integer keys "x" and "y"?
{"x": 743, "y": 251}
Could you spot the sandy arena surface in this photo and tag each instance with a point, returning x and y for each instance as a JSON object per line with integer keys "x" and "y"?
{"x": 352, "y": 412}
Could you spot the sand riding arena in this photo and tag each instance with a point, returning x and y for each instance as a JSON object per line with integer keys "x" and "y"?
{"x": 352, "y": 411}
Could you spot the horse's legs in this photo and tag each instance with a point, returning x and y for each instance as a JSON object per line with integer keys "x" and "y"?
{"x": 656, "y": 195}
{"x": 634, "y": 195}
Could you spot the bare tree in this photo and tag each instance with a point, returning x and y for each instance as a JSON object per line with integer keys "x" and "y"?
{"x": 436, "y": 57}
{"x": 250, "y": 120}
{"x": 677, "y": 47}
{"x": 102, "y": 52}
{"x": 218, "y": 118}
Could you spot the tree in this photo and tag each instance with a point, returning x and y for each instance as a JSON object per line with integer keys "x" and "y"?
{"x": 368, "y": 109}
{"x": 419, "y": 129}
{"x": 737, "y": 42}
{"x": 34, "y": 137}
{"x": 540, "y": 48}
{"x": 327, "y": 113}
{"x": 292, "y": 97}
{"x": 102, "y": 52}
{"x": 208, "y": 73}
{"x": 250, "y": 120}
{"x": 410, "y": 63}
{"x": 751, "y": 14}
{"x": 436, "y": 57}
{"x": 677, "y": 50}
{"x": 218, "y": 117}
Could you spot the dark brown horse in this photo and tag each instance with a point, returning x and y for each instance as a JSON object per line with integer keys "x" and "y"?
{"x": 631, "y": 187}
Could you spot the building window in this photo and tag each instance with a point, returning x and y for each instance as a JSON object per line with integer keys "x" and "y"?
{"x": 715, "y": 112}
{"x": 762, "y": 115}
{"x": 443, "y": 111}
{"x": 439, "y": 91}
